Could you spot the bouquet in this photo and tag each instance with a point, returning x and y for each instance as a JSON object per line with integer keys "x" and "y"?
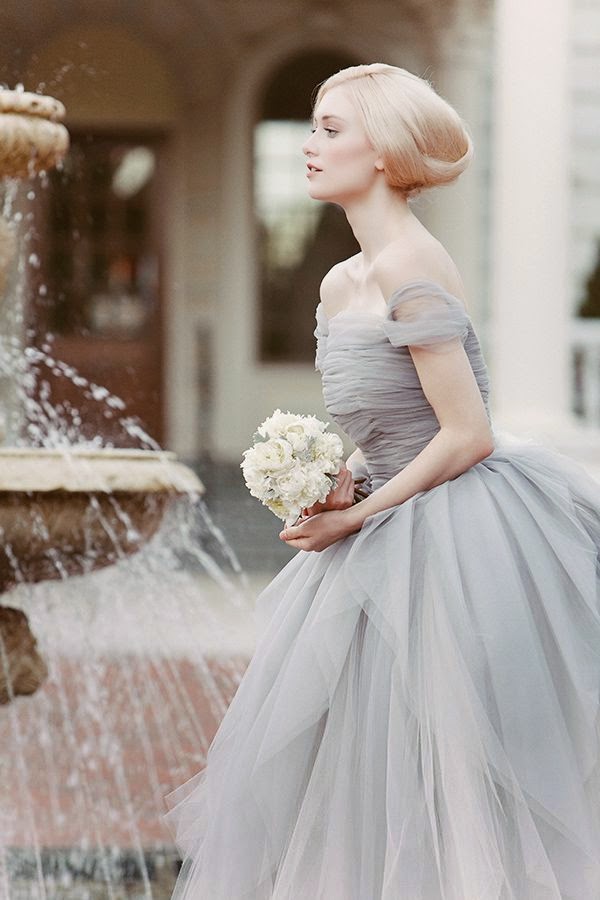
{"x": 292, "y": 463}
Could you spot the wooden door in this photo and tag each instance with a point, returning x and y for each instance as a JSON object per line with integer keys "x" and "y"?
{"x": 98, "y": 290}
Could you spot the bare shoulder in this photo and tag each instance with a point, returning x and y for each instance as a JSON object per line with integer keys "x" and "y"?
{"x": 425, "y": 259}
{"x": 337, "y": 284}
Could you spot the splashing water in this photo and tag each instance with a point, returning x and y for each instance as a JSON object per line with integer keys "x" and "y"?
{"x": 143, "y": 656}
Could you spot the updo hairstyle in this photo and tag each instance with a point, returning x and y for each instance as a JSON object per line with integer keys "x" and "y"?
{"x": 421, "y": 139}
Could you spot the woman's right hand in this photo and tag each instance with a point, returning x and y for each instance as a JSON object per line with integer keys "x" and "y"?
{"x": 339, "y": 497}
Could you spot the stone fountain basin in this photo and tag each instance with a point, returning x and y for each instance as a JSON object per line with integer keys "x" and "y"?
{"x": 67, "y": 512}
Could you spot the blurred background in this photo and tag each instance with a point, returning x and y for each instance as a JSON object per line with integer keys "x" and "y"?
{"x": 175, "y": 258}
{"x": 180, "y": 256}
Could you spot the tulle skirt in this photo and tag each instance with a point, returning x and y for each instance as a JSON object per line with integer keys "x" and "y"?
{"x": 420, "y": 719}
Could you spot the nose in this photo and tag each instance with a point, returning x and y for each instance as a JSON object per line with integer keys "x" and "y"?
{"x": 306, "y": 146}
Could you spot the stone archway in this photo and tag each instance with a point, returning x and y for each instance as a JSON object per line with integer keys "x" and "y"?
{"x": 247, "y": 390}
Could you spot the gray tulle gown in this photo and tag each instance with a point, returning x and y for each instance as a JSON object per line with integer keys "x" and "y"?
{"x": 420, "y": 719}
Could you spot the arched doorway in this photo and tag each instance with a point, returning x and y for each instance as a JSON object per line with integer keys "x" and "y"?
{"x": 264, "y": 348}
{"x": 102, "y": 232}
{"x": 298, "y": 239}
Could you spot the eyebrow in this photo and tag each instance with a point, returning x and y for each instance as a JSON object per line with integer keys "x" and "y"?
{"x": 328, "y": 118}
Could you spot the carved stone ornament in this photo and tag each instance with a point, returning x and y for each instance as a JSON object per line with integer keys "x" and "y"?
{"x": 22, "y": 669}
{"x": 32, "y": 138}
{"x": 71, "y": 511}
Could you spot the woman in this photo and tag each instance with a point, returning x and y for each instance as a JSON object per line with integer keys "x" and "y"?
{"x": 420, "y": 718}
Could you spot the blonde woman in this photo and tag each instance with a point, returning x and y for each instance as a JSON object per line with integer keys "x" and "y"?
{"x": 420, "y": 718}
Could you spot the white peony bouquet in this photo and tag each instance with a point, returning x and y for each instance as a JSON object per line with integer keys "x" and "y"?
{"x": 292, "y": 463}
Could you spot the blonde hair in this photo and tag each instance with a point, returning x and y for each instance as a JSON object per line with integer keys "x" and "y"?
{"x": 421, "y": 139}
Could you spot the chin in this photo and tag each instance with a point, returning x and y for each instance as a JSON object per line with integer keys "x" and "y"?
{"x": 321, "y": 194}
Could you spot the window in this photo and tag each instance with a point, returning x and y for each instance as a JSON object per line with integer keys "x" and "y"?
{"x": 298, "y": 238}
{"x": 99, "y": 252}
{"x": 96, "y": 287}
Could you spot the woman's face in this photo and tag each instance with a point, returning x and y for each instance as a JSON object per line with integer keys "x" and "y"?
{"x": 341, "y": 162}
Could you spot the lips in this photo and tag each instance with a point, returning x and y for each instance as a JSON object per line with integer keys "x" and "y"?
{"x": 312, "y": 168}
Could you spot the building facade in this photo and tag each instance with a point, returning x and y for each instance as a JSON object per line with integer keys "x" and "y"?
{"x": 199, "y": 306}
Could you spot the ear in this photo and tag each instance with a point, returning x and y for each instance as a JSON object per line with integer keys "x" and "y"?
{"x": 379, "y": 165}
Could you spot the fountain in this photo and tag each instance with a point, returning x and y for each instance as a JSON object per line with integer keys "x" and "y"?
{"x": 110, "y": 557}
{"x": 62, "y": 512}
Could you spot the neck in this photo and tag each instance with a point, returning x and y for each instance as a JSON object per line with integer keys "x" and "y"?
{"x": 377, "y": 219}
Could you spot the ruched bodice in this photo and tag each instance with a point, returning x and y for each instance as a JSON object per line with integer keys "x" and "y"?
{"x": 370, "y": 384}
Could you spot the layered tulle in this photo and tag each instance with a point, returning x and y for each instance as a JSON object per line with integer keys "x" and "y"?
{"x": 420, "y": 718}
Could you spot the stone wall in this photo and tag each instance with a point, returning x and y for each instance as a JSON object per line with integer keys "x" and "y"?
{"x": 584, "y": 91}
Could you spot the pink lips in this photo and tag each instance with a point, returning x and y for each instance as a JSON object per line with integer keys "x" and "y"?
{"x": 311, "y": 170}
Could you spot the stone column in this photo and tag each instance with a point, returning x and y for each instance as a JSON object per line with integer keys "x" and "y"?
{"x": 530, "y": 363}
{"x": 458, "y": 214}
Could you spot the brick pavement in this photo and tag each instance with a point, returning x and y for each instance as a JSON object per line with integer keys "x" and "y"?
{"x": 89, "y": 798}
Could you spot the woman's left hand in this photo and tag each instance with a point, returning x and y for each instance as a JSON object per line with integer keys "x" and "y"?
{"x": 319, "y": 531}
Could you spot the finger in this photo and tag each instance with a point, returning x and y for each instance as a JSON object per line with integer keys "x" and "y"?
{"x": 348, "y": 483}
{"x": 291, "y": 532}
{"x": 343, "y": 486}
{"x": 339, "y": 474}
{"x": 341, "y": 482}
{"x": 298, "y": 543}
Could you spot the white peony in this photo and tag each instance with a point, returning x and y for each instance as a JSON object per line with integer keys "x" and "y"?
{"x": 328, "y": 448}
{"x": 256, "y": 481}
{"x": 294, "y": 464}
{"x": 298, "y": 439}
{"x": 292, "y": 485}
{"x": 273, "y": 455}
{"x": 281, "y": 509}
{"x": 276, "y": 424}
{"x": 318, "y": 484}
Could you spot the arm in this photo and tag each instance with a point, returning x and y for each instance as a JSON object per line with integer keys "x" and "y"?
{"x": 442, "y": 365}
{"x": 448, "y": 382}
{"x": 464, "y": 438}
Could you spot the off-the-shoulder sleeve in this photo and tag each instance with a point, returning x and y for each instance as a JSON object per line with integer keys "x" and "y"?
{"x": 320, "y": 332}
{"x": 424, "y": 314}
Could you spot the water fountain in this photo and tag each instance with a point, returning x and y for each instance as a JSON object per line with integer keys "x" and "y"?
{"x": 61, "y": 513}
{"x": 136, "y": 662}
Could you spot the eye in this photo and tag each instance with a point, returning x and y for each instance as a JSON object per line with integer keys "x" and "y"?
{"x": 330, "y": 131}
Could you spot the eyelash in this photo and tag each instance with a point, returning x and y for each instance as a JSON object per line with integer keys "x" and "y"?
{"x": 328, "y": 130}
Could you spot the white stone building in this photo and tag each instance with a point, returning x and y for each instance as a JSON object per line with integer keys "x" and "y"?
{"x": 191, "y": 81}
